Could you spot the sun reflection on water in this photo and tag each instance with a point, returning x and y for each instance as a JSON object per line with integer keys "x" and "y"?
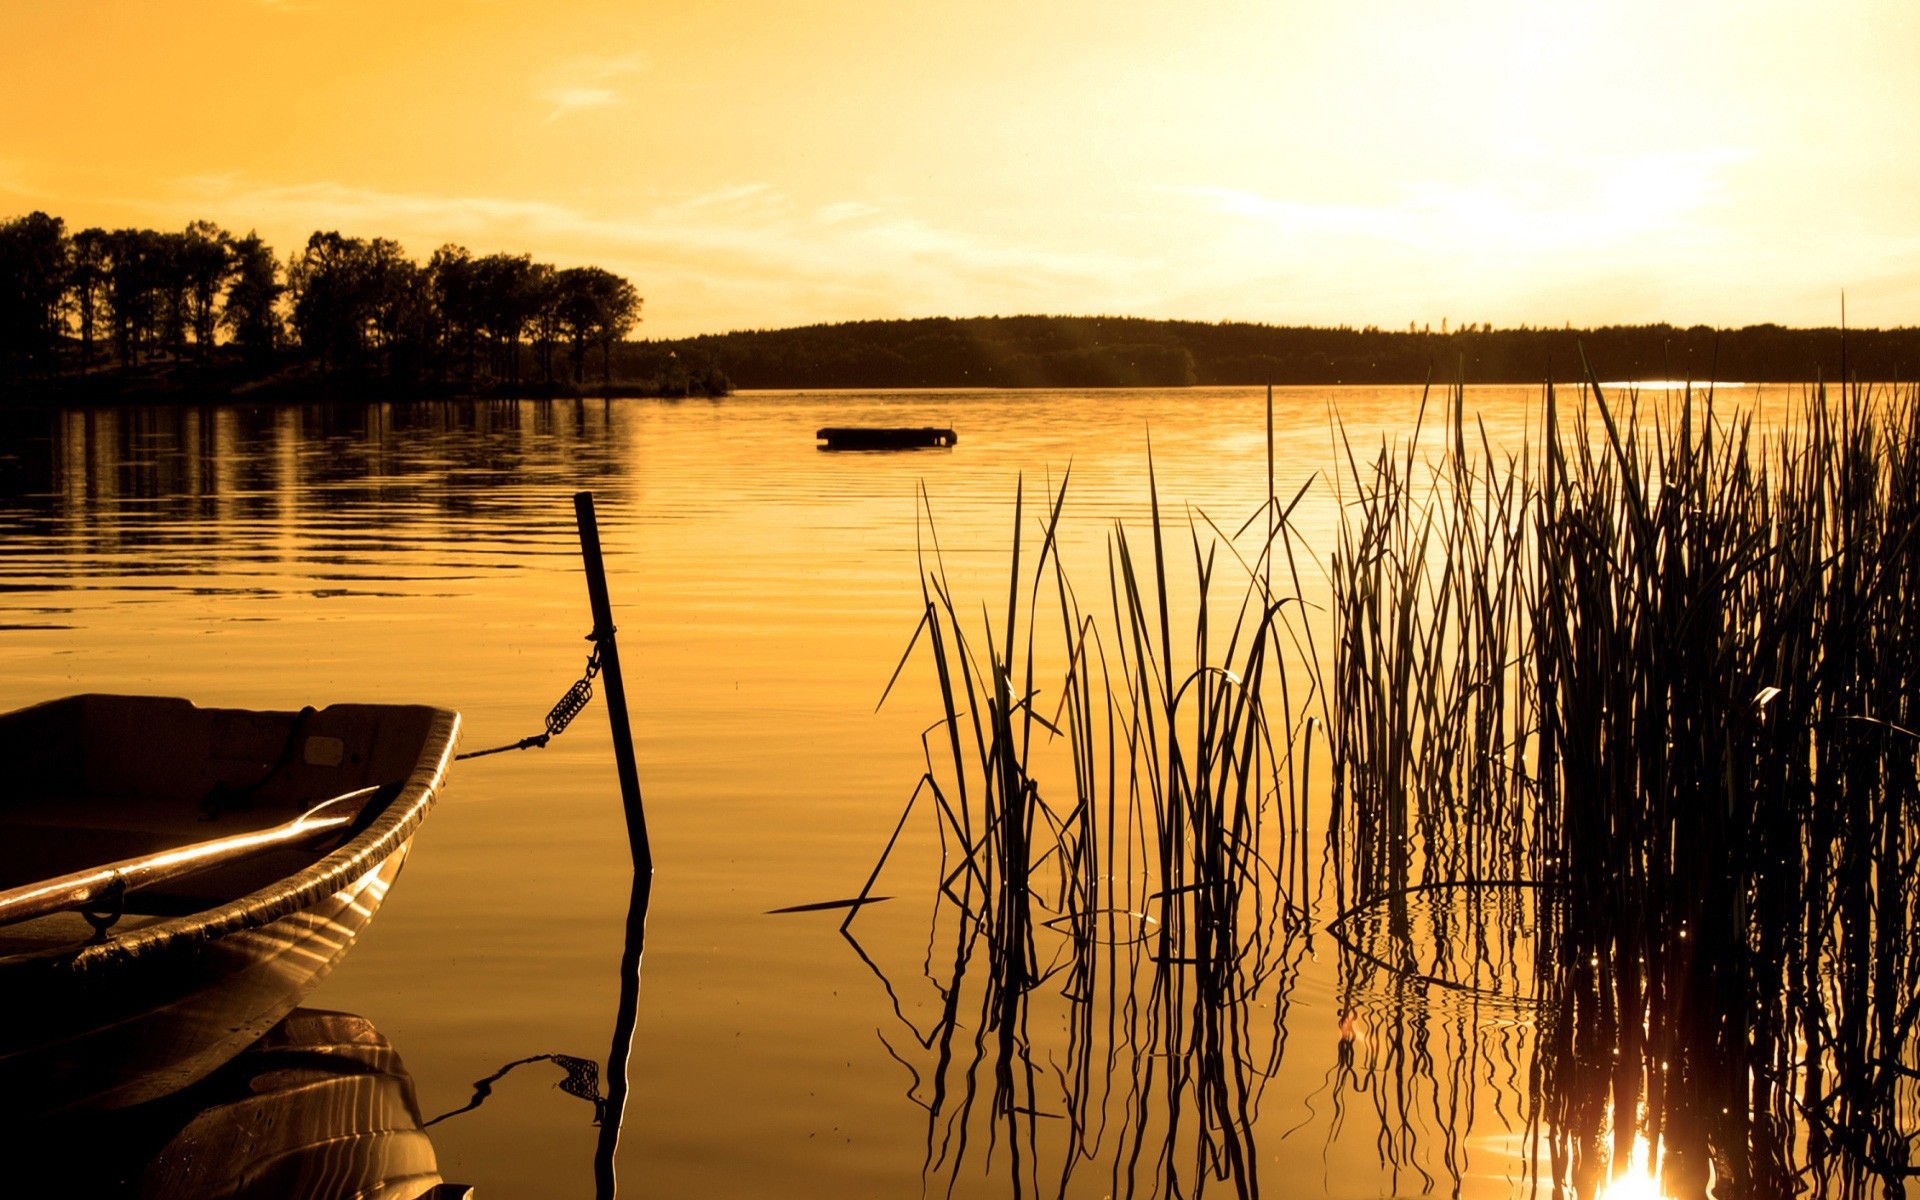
{"x": 1639, "y": 1179}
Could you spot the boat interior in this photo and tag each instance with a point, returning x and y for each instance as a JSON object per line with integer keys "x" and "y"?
{"x": 97, "y": 779}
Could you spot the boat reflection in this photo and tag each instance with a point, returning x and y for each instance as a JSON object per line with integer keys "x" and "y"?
{"x": 321, "y": 1107}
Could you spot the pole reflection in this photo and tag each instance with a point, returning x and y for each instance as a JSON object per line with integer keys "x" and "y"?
{"x": 582, "y": 1078}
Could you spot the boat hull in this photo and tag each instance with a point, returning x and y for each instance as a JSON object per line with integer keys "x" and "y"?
{"x": 200, "y": 969}
{"x": 117, "y": 1037}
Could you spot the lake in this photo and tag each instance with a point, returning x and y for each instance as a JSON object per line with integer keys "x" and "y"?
{"x": 765, "y": 592}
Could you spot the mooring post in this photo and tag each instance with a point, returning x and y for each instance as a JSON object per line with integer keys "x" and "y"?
{"x": 603, "y": 631}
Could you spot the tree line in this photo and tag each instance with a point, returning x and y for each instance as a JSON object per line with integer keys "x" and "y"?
{"x": 102, "y": 300}
{"x": 1043, "y": 351}
{"x": 103, "y": 303}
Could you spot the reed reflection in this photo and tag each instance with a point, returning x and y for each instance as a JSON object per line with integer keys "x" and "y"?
{"x": 1437, "y": 1027}
{"x": 1155, "y": 1090}
{"x": 1110, "y": 970}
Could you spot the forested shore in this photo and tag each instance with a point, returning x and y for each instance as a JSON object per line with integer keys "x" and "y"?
{"x": 100, "y": 315}
{"x": 1046, "y": 351}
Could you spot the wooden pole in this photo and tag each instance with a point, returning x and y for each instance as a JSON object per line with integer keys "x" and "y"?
{"x": 603, "y": 630}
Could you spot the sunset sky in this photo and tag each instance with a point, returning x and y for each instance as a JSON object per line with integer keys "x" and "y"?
{"x": 763, "y": 163}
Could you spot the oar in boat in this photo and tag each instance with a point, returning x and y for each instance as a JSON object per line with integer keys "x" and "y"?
{"x": 81, "y": 889}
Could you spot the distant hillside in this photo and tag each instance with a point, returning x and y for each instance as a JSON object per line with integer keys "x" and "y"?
{"x": 1036, "y": 351}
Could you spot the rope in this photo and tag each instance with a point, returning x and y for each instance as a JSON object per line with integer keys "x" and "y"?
{"x": 562, "y": 713}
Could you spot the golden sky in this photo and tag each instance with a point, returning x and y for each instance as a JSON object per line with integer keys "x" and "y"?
{"x": 763, "y": 163}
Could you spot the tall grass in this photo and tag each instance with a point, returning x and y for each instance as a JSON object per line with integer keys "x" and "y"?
{"x": 1121, "y": 794}
{"x": 1623, "y": 748}
{"x": 1666, "y": 673}
{"x": 1428, "y": 584}
{"x": 1652, "y": 553}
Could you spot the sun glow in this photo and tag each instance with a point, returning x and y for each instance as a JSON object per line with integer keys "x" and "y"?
{"x": 1001, "y": 157}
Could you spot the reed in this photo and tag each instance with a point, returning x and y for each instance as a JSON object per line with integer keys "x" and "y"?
{"x": 1428, "y": 578}
{"x": 1121, "y": 792}
{"x": 1665, "y": 672}
{"x": 1622, "y": 736}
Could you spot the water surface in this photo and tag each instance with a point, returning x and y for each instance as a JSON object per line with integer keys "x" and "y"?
{"x": 764, "y": 591}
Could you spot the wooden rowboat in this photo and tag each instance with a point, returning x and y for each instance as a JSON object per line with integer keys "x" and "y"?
{"x": 173, "y": 879}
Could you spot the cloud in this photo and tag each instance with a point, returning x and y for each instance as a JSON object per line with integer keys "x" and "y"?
{"x": 734, "y": 198}
{"x": 583, "y": 83}
{"x": 13, "y": 180}
{"x": 748, "y": 253}
{"x": 1647, "y": 238}
{"x": 844, "y": 210}
{"x": 1294, "y": 215}
{"x": 573, "y": 99}
{"x": 359, "y": 211}
{"x": 1541, "y": 205}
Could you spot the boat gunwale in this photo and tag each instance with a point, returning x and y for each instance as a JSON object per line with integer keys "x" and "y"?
{"x": 386, "y": 835}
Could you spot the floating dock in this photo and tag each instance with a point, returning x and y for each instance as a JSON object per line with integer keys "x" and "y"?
{"x": 873, "y": 437}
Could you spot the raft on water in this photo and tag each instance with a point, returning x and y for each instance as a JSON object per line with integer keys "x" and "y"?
{"x": 875, "y": 437}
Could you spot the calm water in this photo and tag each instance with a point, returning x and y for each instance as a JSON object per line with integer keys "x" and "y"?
{"x": 764, "y": 592}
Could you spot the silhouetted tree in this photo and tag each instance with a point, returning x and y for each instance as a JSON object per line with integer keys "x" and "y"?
{"x": 334, "y": 282}
{"x": 87, "y": 285}
{"x": 362, "y": 306}
{"x": 575, "y": 311}
{"x": 507, "y": 299}
{"x": 252, "y": 314}
{"x": 348, "y": 304}
{"x": 205, "y": 263}
{"x": 320, "y": 280}
{"x": 33, "y": 282}
{"x": 456, "y": 296}
{"x": 405, "y": 318}
{"x": 167, "y": 262}
{"x": 596, "y": 308}
{"x": 547, "y": 324}
{"x": 132, "y": 256}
